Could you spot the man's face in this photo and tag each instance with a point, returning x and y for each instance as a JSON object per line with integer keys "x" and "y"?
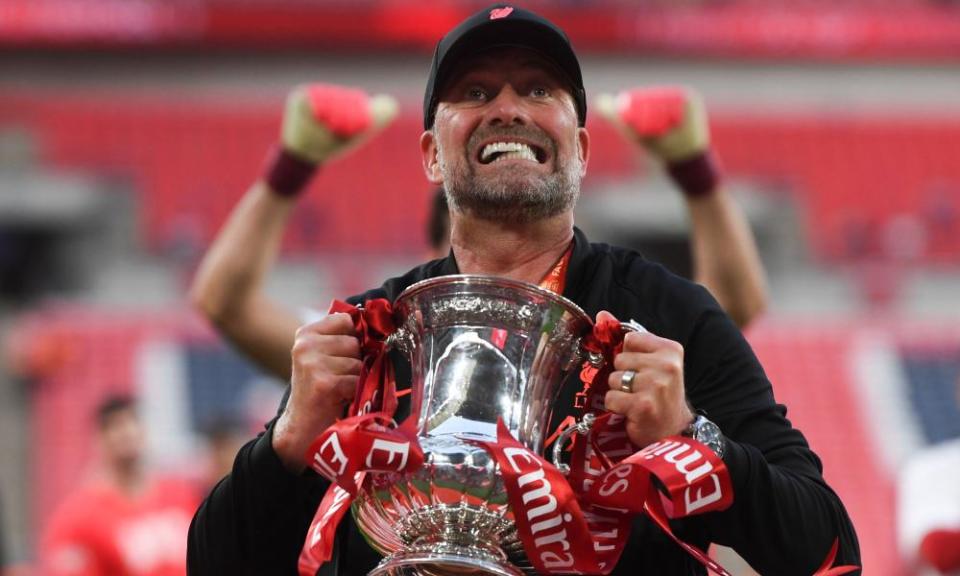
{"x": 122, "y": 438}
{"x": 506, "y": 144}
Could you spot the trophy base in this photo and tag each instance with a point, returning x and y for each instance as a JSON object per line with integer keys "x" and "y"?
{"x": 444, "y": 560}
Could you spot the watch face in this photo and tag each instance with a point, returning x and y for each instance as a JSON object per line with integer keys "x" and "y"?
{"x": 708, "y": 433}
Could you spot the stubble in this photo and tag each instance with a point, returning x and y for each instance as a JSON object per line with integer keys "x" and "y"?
{"x": 513, "y": 194}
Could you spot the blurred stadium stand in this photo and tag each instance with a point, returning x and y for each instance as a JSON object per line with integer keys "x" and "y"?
{"x": 189, "y": 161}
{"x": 128, "y": 129}
{"x": 932, "y": 373}
{"x": 898, "y": 29}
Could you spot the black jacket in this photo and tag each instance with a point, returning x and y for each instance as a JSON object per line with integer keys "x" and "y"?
{"x": 784, "y": 518}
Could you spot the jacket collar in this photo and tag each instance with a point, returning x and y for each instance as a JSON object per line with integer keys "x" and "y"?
{"x": 574, "y": 281}
{"x": 576, "y": 270}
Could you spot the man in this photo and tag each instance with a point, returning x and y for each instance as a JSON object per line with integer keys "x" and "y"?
{"x": 122, "y": 522}
{"x": 504, "y": 116}
{"x": 669, "y": 123}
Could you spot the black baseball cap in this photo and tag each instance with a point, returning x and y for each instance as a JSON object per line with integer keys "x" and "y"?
{"x": 503, "y": 25}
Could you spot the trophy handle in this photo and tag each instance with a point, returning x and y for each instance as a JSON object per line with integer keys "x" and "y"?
{"x": 581, "y": 427}
{"x": 586, "y": 422}
{"x": 402, "y": 340}
{"x": 632, "y": 326}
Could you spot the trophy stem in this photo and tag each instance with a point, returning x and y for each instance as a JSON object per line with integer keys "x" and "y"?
{"x": 452, "y": 540}
{"x": 440, "y": 558}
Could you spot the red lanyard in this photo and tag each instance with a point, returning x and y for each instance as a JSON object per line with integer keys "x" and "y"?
{"x": 556, "y": 278}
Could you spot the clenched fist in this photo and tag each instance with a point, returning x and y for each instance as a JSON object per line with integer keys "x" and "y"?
{"x": 323, "y": 120}
{"x": 670, "y": 122}
{"x": 651, "y": 397}
{"x": 326, "y": 368}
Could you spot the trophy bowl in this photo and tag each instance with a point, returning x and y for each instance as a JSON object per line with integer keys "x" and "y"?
{"x": 481, "y": 348}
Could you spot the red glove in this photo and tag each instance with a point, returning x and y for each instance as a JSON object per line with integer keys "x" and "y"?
{"x": 671, "y": 124}
{"x": 321, "y": 121}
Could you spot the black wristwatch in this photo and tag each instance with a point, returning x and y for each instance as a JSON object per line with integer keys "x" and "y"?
{"x": 706, "y": 432}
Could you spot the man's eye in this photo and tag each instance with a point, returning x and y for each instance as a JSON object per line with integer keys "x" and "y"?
{"x": 477, "y": 94}
{"x": 539, "y": 92}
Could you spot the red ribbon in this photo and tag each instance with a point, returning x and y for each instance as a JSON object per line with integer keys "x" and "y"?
{"x": 318, "y": 547}
{"x": 583, "y": 525}
{"x": 580, "y": 526}
{"x": 566, "y": 532}
{"x": 549, "y": 520}
{"x": 377, "y": 388}
{"x": 605, "y": 340}
{"x": 827, "y": 568}
{"x": 366, "y": 441}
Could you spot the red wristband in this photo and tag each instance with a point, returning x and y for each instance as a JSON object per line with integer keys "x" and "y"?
{"x": 696, "y": 176}
{"x": 287, "y": 174}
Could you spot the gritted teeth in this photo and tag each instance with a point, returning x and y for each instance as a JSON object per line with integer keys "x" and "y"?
{"x": 519, "y": 150}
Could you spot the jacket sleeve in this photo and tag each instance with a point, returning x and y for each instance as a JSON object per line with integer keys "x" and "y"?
{"x": 256, "y": 519}
{"x": 785, "y": 518}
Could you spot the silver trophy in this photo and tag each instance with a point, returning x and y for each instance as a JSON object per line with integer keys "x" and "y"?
{"x": 480, "y": 348}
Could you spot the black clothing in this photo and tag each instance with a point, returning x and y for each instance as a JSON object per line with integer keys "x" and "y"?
{"x": 784, "y": 518}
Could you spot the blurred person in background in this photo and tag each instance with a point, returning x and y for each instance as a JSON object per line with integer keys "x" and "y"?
{"x": 669, "y": 123}
{"x": 224, "y": 438}
{"x": 122, "y": 520}
{"x": 228, "y": 287}
{"x": 928, "y": 508}
{"x": 504, "y": 116}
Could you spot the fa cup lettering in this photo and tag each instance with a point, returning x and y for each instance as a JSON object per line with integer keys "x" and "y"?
{"x": 658, "y": 448}
{"x": 700, "y": 501}
{"x": 684, "y": 457}
{"x": 368, "y": 405}
{"x": 337, "y": 458}
{"x": 536, "y": 489}
{"x": 681, "y": 465}
{"x": 613, "y": 440}
{"x": 622, "y": 484}
{"x": 340, "y": 498}
{"x": 392, "y": 449}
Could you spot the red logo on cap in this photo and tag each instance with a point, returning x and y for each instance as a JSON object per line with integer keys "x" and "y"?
{"x": 498, "y": 13}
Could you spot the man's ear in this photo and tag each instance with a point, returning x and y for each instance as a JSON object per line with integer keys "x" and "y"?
{"x": 583, "y": 138}
{"x": 430, "y": 156}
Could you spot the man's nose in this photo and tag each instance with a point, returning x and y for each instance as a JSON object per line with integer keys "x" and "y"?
{"x": 507, "y": 108}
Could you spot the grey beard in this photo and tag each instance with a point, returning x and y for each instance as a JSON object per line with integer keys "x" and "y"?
{"x": 511, "y": 197}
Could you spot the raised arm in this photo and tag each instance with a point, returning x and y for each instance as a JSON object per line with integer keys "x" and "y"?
{"x": 671, "y": 124}
{"x": 320, "y": 122}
